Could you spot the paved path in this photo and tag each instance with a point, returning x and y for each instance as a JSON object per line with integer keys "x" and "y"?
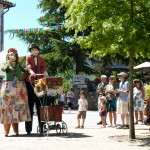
{"x": 90, "y": 138}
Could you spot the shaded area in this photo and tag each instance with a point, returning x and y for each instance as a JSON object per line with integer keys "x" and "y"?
{"x": 68, "y": 135}
{"x": 73, "y": 135}
{"x": 141, "y": 140}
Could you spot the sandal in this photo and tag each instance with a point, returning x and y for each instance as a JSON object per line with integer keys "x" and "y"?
{"x": 82, "y": 127}
{"x": 77, "y": 127}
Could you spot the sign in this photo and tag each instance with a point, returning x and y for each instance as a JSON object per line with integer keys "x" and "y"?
{"x": 79, "y": 79}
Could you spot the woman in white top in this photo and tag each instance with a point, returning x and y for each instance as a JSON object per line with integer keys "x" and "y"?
{"x": 138, "y": 95}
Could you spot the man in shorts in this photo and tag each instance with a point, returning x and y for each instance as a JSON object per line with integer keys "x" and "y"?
{"x": 122, "y": 101}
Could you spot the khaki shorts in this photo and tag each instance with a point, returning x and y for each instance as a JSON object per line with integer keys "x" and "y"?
{"x": 122, "y": 107}
{"x": 81, "y": 114}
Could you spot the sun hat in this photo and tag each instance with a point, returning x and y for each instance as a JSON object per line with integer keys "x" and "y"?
{"x": 112, "y": 76}
{"x": 103, "y": 76}
{"x": 137, "y": 80}
{"x": 122, "y": 74}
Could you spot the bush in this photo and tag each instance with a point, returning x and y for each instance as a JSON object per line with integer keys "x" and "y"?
{"x": 147, "y": 90}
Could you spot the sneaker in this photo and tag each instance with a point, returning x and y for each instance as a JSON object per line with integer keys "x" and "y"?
{"x": 120, "y": 127}
{"x": 99, "y": 123}
{"x": 114, "y": 126}
{"x": 82, "y": 127}
{"x": 77, "y": 127}
{"x": 110, "y": 125}
{"x": 141, "y": 123}
{"x": 126, "y": 127}
{"x": 101, "y": 127}
{"x": 136, "y": 122}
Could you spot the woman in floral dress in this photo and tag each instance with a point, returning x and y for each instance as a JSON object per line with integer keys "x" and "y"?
{"x": 14, "y": 101}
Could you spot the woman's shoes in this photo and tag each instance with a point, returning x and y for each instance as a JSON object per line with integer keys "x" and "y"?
{"x": 6, "y": 134}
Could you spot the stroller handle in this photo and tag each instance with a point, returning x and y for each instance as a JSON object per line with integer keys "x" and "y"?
{"x": 35, "y": 75}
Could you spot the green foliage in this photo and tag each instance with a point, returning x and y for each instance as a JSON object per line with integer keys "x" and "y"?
{"x": 67, "y": 79}
{"x": 147, "y": 90}
{"x": 117, "y": 25}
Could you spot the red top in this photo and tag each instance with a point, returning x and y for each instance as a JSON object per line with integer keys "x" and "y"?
{"x": 39, "y": 69}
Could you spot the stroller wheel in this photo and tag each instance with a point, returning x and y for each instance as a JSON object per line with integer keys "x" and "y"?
{"x": 38, "y": 129}
{"x": 46, "y": 129}
{"x": 58, "y": 128}
{"x": 64, "y": 128}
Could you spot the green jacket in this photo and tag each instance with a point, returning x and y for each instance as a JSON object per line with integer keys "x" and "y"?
{"x": 11, "y": 72}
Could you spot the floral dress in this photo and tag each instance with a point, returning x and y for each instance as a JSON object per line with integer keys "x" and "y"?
{"x": 13, "y": 97}
{"x": 138, "y": 100}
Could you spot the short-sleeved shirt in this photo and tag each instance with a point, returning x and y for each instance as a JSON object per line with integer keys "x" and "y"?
{"x": 82, "y": 104}
{"x": 125, "y": 87}
{"x": 103, "y": 88}
{"x": 111, "y": 96}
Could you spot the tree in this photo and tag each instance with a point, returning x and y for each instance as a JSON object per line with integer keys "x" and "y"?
{"x": 57, "y": 44}
{"x": 118, "y": 27}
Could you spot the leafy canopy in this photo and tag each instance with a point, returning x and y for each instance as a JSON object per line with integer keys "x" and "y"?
{"x": 116, "y": 25}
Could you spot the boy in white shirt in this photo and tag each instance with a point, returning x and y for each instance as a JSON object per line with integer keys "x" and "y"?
{"x": 83, "y": 106}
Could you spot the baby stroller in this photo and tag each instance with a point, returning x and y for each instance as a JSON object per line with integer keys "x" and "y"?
{"x": 50, "y": 113}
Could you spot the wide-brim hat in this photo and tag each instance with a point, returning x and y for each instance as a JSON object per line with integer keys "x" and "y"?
{"x": 33, "y": 45}
{"x": 112, "y": 76}
{"x": 122, "y": 74}
{"x": 137, "y": 80}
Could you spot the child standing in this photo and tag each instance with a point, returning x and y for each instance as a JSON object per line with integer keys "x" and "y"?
{"x": 83, "y": 106}
{"x": 102, "y": 110}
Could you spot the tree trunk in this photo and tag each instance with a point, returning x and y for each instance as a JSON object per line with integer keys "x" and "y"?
{"x": 79, "y": 62}
{"x": 131, "y": 108}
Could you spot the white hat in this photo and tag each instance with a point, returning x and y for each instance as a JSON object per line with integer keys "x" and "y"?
{"x": 103, "y": 76}
{"x": 122, "y": 74}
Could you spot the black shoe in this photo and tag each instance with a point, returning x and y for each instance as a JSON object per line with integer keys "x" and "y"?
{"x": 99, "y": 123}
{"x": 28, "y": 133}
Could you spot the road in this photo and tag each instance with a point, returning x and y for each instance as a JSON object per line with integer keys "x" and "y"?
{"x": 90, "y": 138}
